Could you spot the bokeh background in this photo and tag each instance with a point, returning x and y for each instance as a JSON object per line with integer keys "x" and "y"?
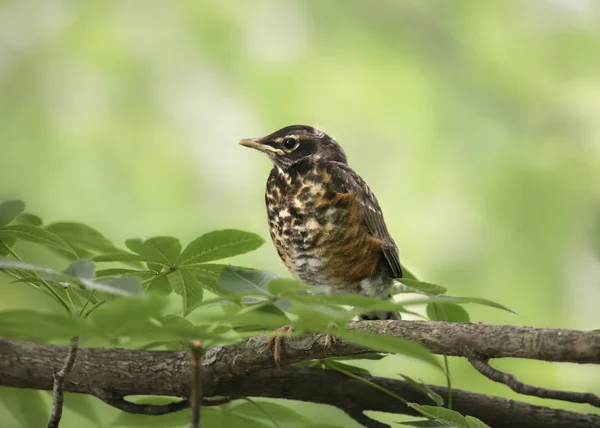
{"x": 476, "y": 123}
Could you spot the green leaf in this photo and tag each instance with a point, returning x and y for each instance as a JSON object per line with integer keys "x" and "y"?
{"x": 245, "y": 281}
{"x": 38, "y": 235}
{"x": 163, "y": 250}
{"x": 447, "y": 312}
{"x": 122, "y": 286}
{"x": 391, "y": 344}
{"x": 219, "y": 244}
{"x": 364, "y": 303}
{"x": 435, "y": 397}
{"x": 316, "y": 317}
{"x": 268, "y": 411}
{"x": 27, "y": 324}
{"x": 16, "y": 264}
{"x": 82, "y": 235}
{"x": 459, "y": 300}
{"x": 130, "y": 317}
{"x": 175, "y": 320}
{"x": 123, "y": 271}
{"x": 188, "y": 287}
{"x": 279, "y": 286}
{"x": 26, "y": 406}
{"x": 160, "y": 285}
{"x": 208, "y": 275}
{"x": 82, "y": 269}
{"x": 10, "y": 210}
{"x": 27, "y": 218}
{"x": 419, "y": 287}
{"x": 154, "y": 267}
{"x": 5, "y": 245}
{"x": 429, "y": 423}
{"x": 323, "y": 426}
{"x": 473, "y": 422}
{"x": 118, "y": 256}
{"x": 259, "y": 317}
{"x": 407, "y": 274}
{"x": 332, "y": 364}
{"x": 78, "y": 295}
{"x": 442, "y": 413}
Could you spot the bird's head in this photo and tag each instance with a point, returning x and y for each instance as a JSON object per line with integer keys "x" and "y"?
{"x": 292, "y": 144}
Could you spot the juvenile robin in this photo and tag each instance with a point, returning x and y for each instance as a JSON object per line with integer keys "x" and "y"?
{"x": 324, "y": 220}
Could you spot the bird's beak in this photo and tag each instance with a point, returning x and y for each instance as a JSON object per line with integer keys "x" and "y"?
{"x": 255, "y": 143}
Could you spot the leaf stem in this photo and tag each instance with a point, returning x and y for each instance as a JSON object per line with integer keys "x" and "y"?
{"x": 448, "y": 381}
{"x": 275, "y": 423}
{"x": 70, "y": 299}
{"x": 368, "y": 382}
{"x": 43, "y": 281}
{"x": 93, "y": 308}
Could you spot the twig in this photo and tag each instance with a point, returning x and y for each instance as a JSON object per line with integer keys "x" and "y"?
{"x": 482, "y": 366}
{"x": 59, "y": 383}
{"x": 196, "y": 387}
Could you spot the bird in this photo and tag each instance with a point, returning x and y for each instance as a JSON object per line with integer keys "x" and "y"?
{"x": 325, "y": 222}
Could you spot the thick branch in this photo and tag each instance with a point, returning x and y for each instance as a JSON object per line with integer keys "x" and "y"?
{"x": 352, "y": 396}
{"x": 25, "y": 364}
{"x": 494, "y": 341}
{"x": 29, "y": 365}
{"x": 19, "y": 359}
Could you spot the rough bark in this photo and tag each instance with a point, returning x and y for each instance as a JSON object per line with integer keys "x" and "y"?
{"x": 237, "y": 370}
{"x": 351, "y": 395}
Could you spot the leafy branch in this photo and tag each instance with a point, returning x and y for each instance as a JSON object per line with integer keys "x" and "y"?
{"x": 235, "y": 311}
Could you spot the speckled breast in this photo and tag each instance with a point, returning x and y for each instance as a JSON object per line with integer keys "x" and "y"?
{"x": 318, "y": 231}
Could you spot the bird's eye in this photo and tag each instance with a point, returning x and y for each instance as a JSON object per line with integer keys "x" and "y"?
{"x": 290, "y": 144}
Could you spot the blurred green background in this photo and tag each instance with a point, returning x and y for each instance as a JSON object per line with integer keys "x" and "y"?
{"x": 477, "y": 124}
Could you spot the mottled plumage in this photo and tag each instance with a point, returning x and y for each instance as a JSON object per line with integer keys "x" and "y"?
{"x": 324, "y": 220}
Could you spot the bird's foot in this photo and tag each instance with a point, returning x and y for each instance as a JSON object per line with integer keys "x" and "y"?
{"x": 276, "y": 342}
{"x": 328, "y": 342}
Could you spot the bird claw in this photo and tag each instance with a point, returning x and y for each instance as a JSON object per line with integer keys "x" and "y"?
{"x": 277, "y": 341}
{"x": 328, "y": 342}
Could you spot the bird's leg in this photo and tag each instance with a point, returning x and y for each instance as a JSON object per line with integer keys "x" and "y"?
{"x": 276, "y": 342}
{"x": 328, "y": 342}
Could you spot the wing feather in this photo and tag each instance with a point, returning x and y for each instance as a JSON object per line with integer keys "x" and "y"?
{"x": 346, "y": 180}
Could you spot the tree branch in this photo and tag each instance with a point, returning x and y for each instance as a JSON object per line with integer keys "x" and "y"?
{"x": 352, "y": 396}
{"x": 58, "y": 384}
{"x": 482, "y": 366}
{"x": 29, "y": 365}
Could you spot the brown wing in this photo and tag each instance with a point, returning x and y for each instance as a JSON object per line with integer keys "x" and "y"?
{"x": 346, "y": 180}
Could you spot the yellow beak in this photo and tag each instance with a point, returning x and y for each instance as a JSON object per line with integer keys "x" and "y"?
{"x": 254, "y": 143}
